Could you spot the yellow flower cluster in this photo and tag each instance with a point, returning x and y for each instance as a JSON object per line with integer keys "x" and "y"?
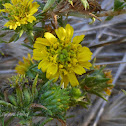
{"x": 20, "y": 12}
{"x": 22, "y": 67}
{"x": 62, "y": 57}
{"x": 108, "y": 75}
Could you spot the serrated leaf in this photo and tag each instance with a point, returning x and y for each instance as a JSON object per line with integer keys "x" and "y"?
{"x": 5, "y": 104}
{"x": 19, "y": 95}
{"x": 98, "y": 94}
{"x": 34, "y": 86}
{"x": 30, "y": 36}
{"x": 84, "y": 104}
{"x": 12, "y": 100}
{"x": 48, "y": 5}
{"x": 85, "y": 3}
{"x": 31, "y": 74}
{"x": 47, "y": 84}
{"x": 46, "y": 94}
{"x": 27, "y": 97}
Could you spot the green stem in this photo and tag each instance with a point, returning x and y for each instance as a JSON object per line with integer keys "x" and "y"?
{"x": 3, "y": 121}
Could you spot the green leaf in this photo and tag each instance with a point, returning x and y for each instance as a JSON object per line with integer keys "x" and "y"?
{"x": 45, "y": 121}
{"x": 34, "y": 86}
{"x": 30, "y": 36}
{"x": 2, "y": 35}
{"x": 48, "y": 5}
{"x": 124, "y": 91}
{"x": 1, "y": 41}
{"x": 28, "y": 46}
{"x": 31, "y": 74}
{"x": 27, "y": 97}
{"x": 20, "y": 33}
{"x": 5, "y": 29}
{"x": 47, "y": 94}
{"x": 5, "y": 104}
{"x": 85, "y": 3}
{"x": 19, "y": 95}
{"x": 98, "y": 94}
{"x": 84, "y": 104}
{"x": 14, "y": 38}
{"x": 108, "y": 18}
{"x": 118, "y": 5}
{"x": 12, "y": 100}
{"x": 47, "y": 84}
{"x": 41, "y": 4}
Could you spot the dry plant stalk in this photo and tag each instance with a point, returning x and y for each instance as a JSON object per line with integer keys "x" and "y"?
{"x": 78, "y": 6}
{"x": 66, "y": 7}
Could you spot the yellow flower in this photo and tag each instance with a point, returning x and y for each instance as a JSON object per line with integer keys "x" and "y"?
{"x": 22, "y": 67}
{"x": 20, "y": 12}
{"x": 62, "y": 57}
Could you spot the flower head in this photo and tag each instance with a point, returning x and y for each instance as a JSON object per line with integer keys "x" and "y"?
{"x": 20, "y": 12}
{"x": 23, "y": 67}
{"x": 62, "y": 57}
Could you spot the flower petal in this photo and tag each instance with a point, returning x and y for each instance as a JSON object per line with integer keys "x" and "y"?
{"x": 2, "y": 10}
{"x": 33, "y": 8}
{"x": 52, "y": 69}
{"x": 83, "y": 58}
{"x": 72, "y": 78}
{"x": 44, "y": 65}
{"x": 39, "y": 54}
{"x": 39, "y": 46}
{"x": 7, "y": 5}
{"x": 14, "y": 2}
{"x": 86, "y": 65}
{"x": 69, "y": 32}
{"x": 55, "y": 77}
{"x": 43, "y": 41}
{"x": 31, "y": 19}
{"x": 50, "y": 37}
{"x": 84, "y": 54}
{"x": 78, "y": 39}
{"x": 65, "y": 80}
{"x": 85, "y": 50}
{"x": 61, "y": 33}
{"x": 79, "y": 69}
